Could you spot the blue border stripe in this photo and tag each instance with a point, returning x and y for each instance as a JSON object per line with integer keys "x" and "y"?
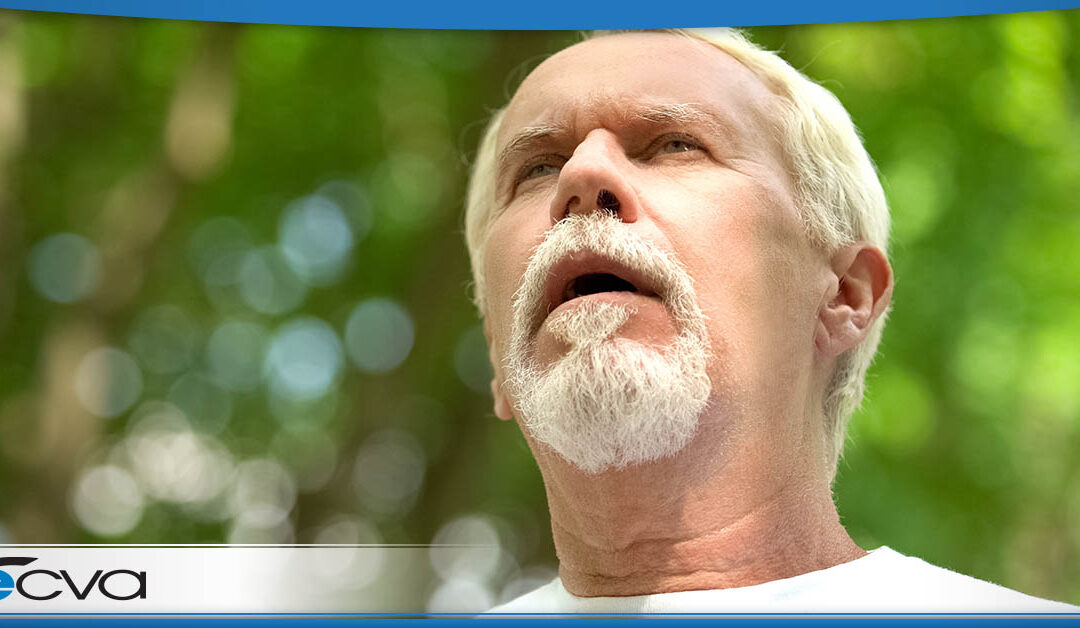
{"x": 529, "y": 14}
{"x": 755, "y": 622}
{"x": 740, "y": 620}
{"x": 756, "y": 616}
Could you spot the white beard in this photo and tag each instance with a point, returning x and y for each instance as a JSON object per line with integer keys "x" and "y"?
{"x": 609, "y": 402}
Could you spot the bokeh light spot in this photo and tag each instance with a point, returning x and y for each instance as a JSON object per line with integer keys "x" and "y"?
{"x": 389, "y": 472}
{"x": 1050, "y": 381}
{"x": 175, "y": 463}
{"x": 264, "y": 493}
{"x": 353, "y": 200}
{"x": 316, "y": 239}
{"x": 304, "y": 359}
{"x": 64, "y": 267}
{"x": 407, "y": 190}
{"x": 466, "y": 548}
{"x": 107, "y": 501}
{"x": 268, "y": 284}
{"x": 234, "y": 354}
{"x": 108, "y": 382}
{"x": 379, "y": 335}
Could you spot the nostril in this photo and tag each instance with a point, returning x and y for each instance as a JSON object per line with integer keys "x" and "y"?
{"x": 570, "y": 204}
{"x": 606, "y": 200}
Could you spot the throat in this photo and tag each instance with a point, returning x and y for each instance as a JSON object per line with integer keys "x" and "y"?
{"x": 693, "y": 543}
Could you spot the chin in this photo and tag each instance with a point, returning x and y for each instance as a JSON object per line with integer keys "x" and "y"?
{"x": 614, "y": 402}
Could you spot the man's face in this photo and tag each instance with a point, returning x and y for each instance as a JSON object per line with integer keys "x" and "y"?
{"x": 678, "y": 140}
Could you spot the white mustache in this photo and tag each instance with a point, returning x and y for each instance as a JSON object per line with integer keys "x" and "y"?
{"x": 605, "y": 235}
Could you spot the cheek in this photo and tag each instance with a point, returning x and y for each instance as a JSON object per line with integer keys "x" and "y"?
{"x": 752, "y": 270}
{"x": 498, "y": 291}
{"x": 506, "y": 255}
{"x": 760, "y": 247}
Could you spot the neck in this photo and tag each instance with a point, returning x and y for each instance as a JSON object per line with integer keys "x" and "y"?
{"x": 648, "y": 529}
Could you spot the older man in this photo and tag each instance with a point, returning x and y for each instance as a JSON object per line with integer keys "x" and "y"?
{"x": 679, "y": 249}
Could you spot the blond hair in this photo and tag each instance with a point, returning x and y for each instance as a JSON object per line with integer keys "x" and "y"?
{"x": 837, "y": 191}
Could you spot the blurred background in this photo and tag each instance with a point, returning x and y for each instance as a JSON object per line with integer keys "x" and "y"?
{"x": 234, "y": 295}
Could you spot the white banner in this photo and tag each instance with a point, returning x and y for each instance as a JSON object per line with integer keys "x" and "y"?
{"x": 224, "y": 578}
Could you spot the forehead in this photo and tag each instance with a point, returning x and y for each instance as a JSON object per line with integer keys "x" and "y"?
{"x": 606, "y": 77}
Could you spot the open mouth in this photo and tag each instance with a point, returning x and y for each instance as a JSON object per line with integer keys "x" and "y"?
{"x": 596, "y": 283}
{"x": 585, "y": 274}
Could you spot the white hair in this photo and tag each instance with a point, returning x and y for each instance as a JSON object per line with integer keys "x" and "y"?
{"x": 837, "y": 191}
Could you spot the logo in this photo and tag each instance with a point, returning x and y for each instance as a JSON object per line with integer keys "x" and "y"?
{"x": 43, "y": 584}
{"x": 7, "y": 583}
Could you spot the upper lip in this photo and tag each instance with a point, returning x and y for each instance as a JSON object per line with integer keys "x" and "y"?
{"x": 578, "y": 264}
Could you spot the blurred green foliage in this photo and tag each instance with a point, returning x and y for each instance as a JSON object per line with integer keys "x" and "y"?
{"x": 269, "y": 241}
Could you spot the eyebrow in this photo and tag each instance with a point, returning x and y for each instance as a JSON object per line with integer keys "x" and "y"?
{"x": 527, "y": 138}
{"x": 686, "y": 112}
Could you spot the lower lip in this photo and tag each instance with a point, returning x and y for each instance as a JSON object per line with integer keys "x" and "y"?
{"x": 615, "y": 298}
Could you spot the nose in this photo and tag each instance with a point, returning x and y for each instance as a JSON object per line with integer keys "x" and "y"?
{"x": 596, "y": 179}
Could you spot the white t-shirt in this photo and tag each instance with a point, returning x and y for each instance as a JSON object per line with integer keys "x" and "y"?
{"x": 883, "y": 581}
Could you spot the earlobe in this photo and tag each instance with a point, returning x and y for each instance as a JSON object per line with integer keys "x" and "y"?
{"x": 860, "y": 295}
{"x": 502, "y": 404}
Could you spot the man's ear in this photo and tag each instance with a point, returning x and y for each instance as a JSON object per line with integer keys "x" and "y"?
{"x": 860, "y": 295}
{"x": 498, "y": 392}
{"x": 502, "y": 403}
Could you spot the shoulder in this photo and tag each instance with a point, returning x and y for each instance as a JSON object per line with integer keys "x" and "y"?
{"x": 544, "y": 599}
{"x": 883, "y": 581}
{"x": 886, "y": 580}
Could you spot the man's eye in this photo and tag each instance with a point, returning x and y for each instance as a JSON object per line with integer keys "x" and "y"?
{"x": 677, "y": 145}
{"x": 540, "y": 170}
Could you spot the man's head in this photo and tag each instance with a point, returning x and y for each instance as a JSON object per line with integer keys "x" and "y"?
{"x": 672, "y": 234}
